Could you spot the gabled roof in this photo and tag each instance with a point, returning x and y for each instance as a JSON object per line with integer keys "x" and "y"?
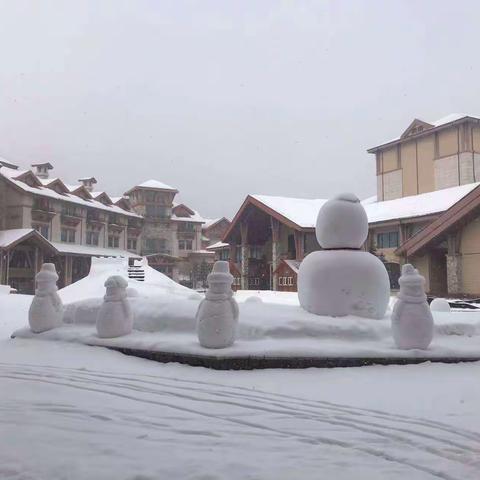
{"x": 13, "y": 177}
{"x": 11, "y": 238}
{"x": 211, "y": 222}
{"x": 416, "y": 126}
{"x": 185, "y": 207}
{"x": 448, "y": 221}
{"x": 152, "y": 185}
{"x": 102, "y": 197}
{"x": 53, "y": 182}
{"x": 444, "y": 122}
{"x": 218, "y": 246}
{"x": 301, "y": 213}
{"x": 293, "y": 265}
{"x": 80, "y": 190}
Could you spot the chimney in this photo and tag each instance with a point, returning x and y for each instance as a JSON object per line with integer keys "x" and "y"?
{"x": 41, "y": 169}
{"x": 88, "y": 182}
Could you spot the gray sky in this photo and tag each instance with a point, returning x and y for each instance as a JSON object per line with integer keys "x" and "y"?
{"x": 225, "y": 98}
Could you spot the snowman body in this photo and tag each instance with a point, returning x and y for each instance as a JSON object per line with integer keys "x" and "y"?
{"x": 412, "y": 321}
{"x": 343, "y": 282}
{"x": 115, "y": 317}
{"x": 341, "y": 279}
{"x": 217, "y": 314}
{"x": 46, "y": 309}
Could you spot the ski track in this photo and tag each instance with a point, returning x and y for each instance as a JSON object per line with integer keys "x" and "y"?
{"x": 425, "y": 443}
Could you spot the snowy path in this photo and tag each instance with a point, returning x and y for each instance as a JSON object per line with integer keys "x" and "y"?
{"x": 129, "y": 425}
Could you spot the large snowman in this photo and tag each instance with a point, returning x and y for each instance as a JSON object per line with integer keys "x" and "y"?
{"x": 341, "y": 279}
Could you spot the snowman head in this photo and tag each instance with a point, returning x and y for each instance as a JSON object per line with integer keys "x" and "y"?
{"x": 46, "y": 278}
{"x": 342, "y": 223}
{"x": 116, "y": 287}
{"x": 411, "y": 282}
{"x": 220, "y": 279}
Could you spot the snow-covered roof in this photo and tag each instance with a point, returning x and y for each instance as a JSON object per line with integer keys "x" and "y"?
{"x": 156, "y": 184}
{"x": 12, "y": 174}
{"x": 7, "y": 237}
{"x": 417, "y": 205}
{"x": 196, "y": 217}
{"x": 13, "y": 236}
{"x": 452, "y": 117}
{"x": 217, "y": 245}
{"x": 75, "y": 249}
{"x": 211, "y": 221}
{"x": 293, "y": 264}
{"x": 303, "y": 212}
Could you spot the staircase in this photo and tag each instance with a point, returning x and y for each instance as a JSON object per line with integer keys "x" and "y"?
{"x": 136, "y": 272}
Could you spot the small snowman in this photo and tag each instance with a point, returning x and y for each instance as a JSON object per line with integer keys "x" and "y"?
{"x": 342, "y": 279}
{"x": 217, "y": 314}
{"x": 412, "y": 321}
{"x": 440, "y": 305}
{"x": 46, "y": 310}
{"x": 115, "y": 317}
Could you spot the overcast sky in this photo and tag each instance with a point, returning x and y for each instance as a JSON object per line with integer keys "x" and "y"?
{"x": 225, "y": 98}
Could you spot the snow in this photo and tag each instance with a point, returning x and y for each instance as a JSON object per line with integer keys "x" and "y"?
{"x": 218, "y": 245}
{"x": 156, "y": 184}
{"x": 418, "y": 205}
{"x": 12, "y": 174}
{"x": 76, "y": 249}
{"x": 77, "y": 412}
{"x": 7, "y": 237}
{"x": 303, "y": 212}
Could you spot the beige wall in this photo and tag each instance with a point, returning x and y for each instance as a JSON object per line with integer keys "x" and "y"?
{"x": 409, "y": 168}
{"x": 389, "y": 160}
{"x": 470, "y": 250}
{"x": 425, "y": 156}
{"x": 447, "y": 142}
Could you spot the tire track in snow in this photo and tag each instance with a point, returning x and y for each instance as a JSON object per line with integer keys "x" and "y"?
{"x": 89, "y": 377}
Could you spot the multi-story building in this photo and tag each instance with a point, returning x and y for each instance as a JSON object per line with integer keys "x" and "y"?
{"x": 172, "y": 232}
{"x": 74, "y": 222}
{"x": 427, "y": 212}
{"x": 44, "y": 219}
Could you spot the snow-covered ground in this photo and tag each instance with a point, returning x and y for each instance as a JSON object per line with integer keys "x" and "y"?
{"x": 69, "y": 411}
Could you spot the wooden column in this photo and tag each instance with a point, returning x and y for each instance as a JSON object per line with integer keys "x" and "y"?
{"x": 275, "y": 224}
{"x": 244, "y": 257}
{"x": 454, "y": 264}
{"x": 68, "y": 270}
{"x": 299, "y": 245}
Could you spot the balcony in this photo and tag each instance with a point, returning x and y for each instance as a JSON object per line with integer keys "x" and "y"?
{"x": 95, "y": 216}
{"x": 42, "y": 211}
{"x": 71, "y": 216}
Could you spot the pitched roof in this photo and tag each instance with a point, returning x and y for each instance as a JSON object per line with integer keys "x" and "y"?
{"x": 75, "y": 249}
{"x": 302, "y": 213}
{"x": 466, "y": 207}
{"x": 210, "y": 222}
{"x": 14, "y": 236}
{"x": 13, "y": 176}
{"x": 429, "y": 126}
{"x": 152, "y": 184}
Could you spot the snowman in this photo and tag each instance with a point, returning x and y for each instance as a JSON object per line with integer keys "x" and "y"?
{"x": 115, "y": 317}
{"x": 412, "y": 321}
{"x": 46, "y": 310}
{"x": 341, "y": 279}
{"x": 217, "y": 314}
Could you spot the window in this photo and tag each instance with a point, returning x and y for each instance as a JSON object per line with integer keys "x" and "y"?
{"x": 224, "y": 254}
{"x": 185, "y": 244}
{"x": 186, "y": 227}
{"x": 237, "y": 281}
{"x": 238, "y": 254}
{"x": 157, "y": 211}
{"x": 40, "y": 203}
{"x": 156, "y": 245}
{"x": 387, "y": 240}
{"x": 132, "y": 244}
{"x": 41, "y": 229}
{"x": 67, "y": 235}
{"x": 256, "y": 251}
{"x": 113, "y": 241}
{"x": 70, "y": 211}
{"x": 92, "y": 238}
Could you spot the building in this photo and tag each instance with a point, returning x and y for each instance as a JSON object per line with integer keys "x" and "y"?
{"x": 425, "y": 212}
{"x": 44, "y": 219}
